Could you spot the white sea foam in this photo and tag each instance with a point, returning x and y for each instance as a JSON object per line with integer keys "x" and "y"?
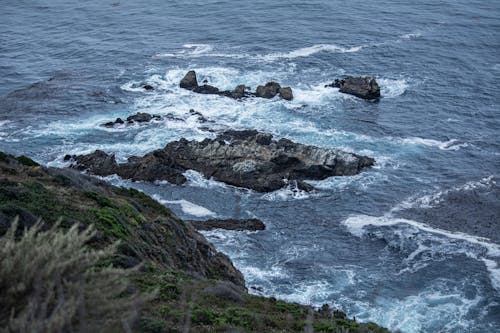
{"x": 357, "y": 224}
{"x": 187, "y": 207}
{"x": 289, "y": 192}
{"x": 413, "y": 313}
{"x": 189, "y": 50}
{"x": 390, "y": 88}
{"x": 452, "y": 144}
{"x": 311, "y": 50}
{"x": 411, "y": 35}
{"x": 197, "y": 179}
{"x": 433, "y": 199}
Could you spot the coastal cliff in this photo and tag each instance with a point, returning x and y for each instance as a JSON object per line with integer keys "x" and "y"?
{"x": 197, "y": 288}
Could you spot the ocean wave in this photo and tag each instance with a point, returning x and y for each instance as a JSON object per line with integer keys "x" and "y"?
{"x": 433, "y": 199}
{"x": 187, "y": 207}
{"x": 358, "y": 225}
{"x": 290, "y": 192}
{"x": 390, "y": 88}
{"x": 311, "y": 50}
{"x": 411, "y": 35}
{"x": 189, "y": 50}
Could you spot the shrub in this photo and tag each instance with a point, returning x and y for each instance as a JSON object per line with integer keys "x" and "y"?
{"x": 51, "y": 282}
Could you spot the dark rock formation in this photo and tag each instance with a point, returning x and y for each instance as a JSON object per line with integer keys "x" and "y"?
{"x": 229, "y": 224}
{"x": 362, "y": 87}
{"x": 142, "y": 117}
{"x": 139, "y": 117}
{"x": 270, "y": 90}
{"x": 189, "y": 81}
{"x": 286, "y": 93}
{"x": 247, "y": 159}
{"x": 148, "y": 87}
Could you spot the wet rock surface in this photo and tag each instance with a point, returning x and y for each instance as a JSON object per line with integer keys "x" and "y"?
{"x": 248, "y": 159}
{"x": 269, "y": 90}
{"x": 362, "y": 87}
{"x": 229, "y": 224}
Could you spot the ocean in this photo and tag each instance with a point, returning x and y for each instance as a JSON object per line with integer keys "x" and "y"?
{"x": 411, "y": 244}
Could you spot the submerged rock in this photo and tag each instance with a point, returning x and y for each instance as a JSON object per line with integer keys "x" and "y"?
{"x": 142, "y": 117}
{"x": 362, "y": 87}
{"x": 247, "y": 159}
{"x": 229, "y": 224}
{"x": 139, "y": 117}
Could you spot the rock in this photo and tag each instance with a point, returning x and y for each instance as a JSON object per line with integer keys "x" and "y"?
{"x": 139, "y": 117}
{"x": 229, "y": 224}
{"x": 189, "y": 81}
{"x": 270, "y": 90}
{"x": 362, "y": 87}
{"x": 98, "y": 163}
{"x": 248, "y": 159}
{"x": 142, "y": 117}
{"x": 148, "y": 87}
{"x": 206, "y": 89}
{"x": 286, "y": 93}
{"x": 201, "y": 118}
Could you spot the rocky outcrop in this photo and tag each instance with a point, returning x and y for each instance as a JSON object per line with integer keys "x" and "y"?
{"x": 249, "y": 159}
{"x": 229, "y": 224}
{"x": 189, "y": 81}
{"x": 139, "y": 117}
{"x": 270, "y": 90}
{"x": 362, "y": 87}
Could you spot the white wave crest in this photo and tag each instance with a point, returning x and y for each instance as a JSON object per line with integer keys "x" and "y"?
{"x": 187, "y": 207}
{"x": 311, "y": 50}
{"x": 390, "y": 88}
{"x": 433, "y": 199}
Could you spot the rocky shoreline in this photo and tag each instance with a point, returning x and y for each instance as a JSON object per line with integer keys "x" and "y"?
{"x": 195, "y": 286}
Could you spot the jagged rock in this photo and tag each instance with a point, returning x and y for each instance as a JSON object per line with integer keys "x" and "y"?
{"x": 286, "y": 93}
{"x": 229, "y": 224}
{"x": 189, "y": 81}
{"x": 270, "y": 90}
{"x": 247, "y": 159}
{"x": 142, "y": 117}
{"x": 148, "y": 87}
{"x": 362, "y": 87}
{"x": 206, "y": 89}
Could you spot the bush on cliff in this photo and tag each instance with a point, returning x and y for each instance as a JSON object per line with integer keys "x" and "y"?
{"x": 50, "y": 281}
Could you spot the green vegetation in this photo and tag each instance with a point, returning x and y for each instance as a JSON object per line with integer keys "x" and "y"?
{"x": 194, "y": 287}
{"x": 50, "y": 282}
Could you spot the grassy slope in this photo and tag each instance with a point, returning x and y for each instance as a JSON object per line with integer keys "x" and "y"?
{"x": 198, "y": 288}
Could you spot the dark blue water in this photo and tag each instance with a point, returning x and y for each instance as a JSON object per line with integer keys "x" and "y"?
{"x": 411, "y": 244}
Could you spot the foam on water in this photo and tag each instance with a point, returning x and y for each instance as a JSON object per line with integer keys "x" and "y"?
{"x": 391, "y": 88}
{"x": 435, "y": 307}
{"x": 311, "y": 50}
{"x": 357, "y": 225}
{"x": 187, "y": 207}
{"x": 433, "y": 199}
{"x": 289, "y": 192}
